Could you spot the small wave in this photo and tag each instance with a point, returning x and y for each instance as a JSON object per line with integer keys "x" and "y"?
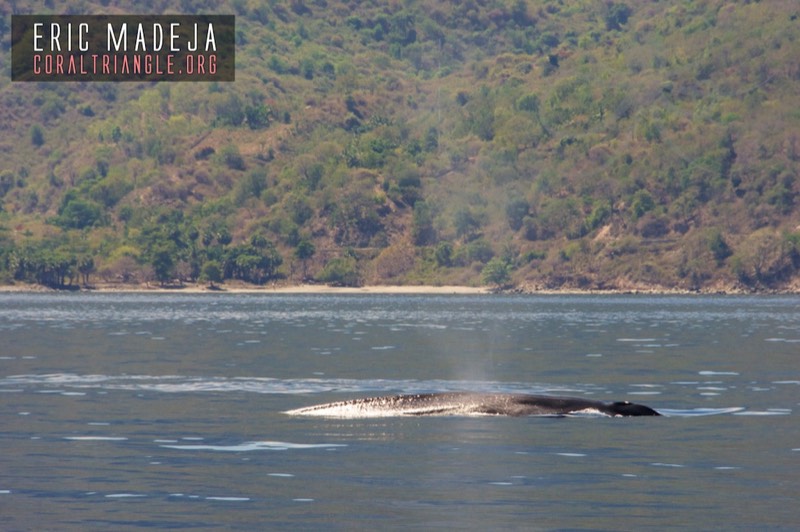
{"x": 95, "y": 438}
{"x": 255, "y": 446}
{"x": 768, "y": 412}
{"x": 695, "y": 412}
{"x": 58, "y": 383}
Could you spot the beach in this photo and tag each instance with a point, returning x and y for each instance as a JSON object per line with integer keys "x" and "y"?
{"x": 240, "y": 288}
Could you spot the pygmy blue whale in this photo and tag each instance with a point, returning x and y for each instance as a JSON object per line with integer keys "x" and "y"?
{"x": 468, "y": 403}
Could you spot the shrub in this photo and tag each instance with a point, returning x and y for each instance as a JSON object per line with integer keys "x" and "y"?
{"x": 600, "y": 213}
{"x": 616, "y": 16}
{"x": 78, "y": 213}
{"x": 211, "y": 273}
{"x": 444, "y": 254}
{"x": 37, "y": 135}
{"x": 641, "y": 203}
{"x": 423, "y": 231}
{"x": 230, "y": 112}
{"x": 496, "y": 272}
{"x": 476, "y": 251}
{"x": 466, "y": 223}
{"x": 6, "y": 182}
{"x": 516, "y": 211}
{"x": 765, "y": 257}
{"x": 232, "y": 158}
{"x": 718, "y": 246}
{"x": 258, "y": 116}
{"x": 341, "y": 271}
{"x": 652, "y": 226}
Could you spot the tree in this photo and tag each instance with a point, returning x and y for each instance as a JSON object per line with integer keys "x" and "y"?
{"x": 467, "y": 224}
{"x": 766, "y": 257}
{"x": 37, "y": 135}
{"x": 444, "y": 254}
{"x": 47, "y": 264}
{"x": 251, "y": 185}
{"x": 516, "y": 211}
{"x": 422, "y": 230}
{"x": 481, "y": 115}
{"x": 355, "y": 220}
{"x": 530, "y": 104}
{"x": 641, "y": 203}
{"x": 211, "y": 273}
{"x": 7, "y": 181}
{"x": 230, "y": 112}
{"x": 718, "y": 246}
{"x": 431, "y": 139}
{"x": 341, "y": 271}
{"x": 616, "y": 16}
{"x": 231, "y": 157}
{"x": 78, "y": 213}
{"x": 86, "y": 267}
{"x": 163, "y": 262}
{"x": 252, "y": 263}
{"x": 304, "y": 251}
{"x": 258, "y": 116}
{"x": 497, "y": 272}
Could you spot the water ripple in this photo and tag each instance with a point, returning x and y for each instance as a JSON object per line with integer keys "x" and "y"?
{"x": 56, "y": 382}
{"x": 255, "y": 446}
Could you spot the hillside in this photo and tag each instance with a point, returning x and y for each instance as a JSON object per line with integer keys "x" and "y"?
{"x": 531, "y": 144}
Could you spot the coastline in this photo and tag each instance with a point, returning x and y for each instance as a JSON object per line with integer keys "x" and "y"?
{"x": 242, "y": 288}
{"x": 250, "y": 289}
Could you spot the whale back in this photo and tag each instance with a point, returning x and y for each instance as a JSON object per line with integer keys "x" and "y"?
{"x": 467, "y": 403}
{"x": 624, "y": 408}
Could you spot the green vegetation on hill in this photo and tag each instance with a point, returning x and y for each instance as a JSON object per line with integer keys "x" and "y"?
{"x": 576, "y": 143}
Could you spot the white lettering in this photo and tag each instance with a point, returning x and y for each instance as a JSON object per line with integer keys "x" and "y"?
{"x": 55, "y": 33}
{"x": 158, "y": 37}
{"x": 173, "y": 30}
{"x": 141, "y": 44}
{"x": 122, "y": 41}
{"x": 83, "y": 44}
{"x": 191, "y": 44}
{"x": 211, "y": 40}
{"x": 37, "y": 36}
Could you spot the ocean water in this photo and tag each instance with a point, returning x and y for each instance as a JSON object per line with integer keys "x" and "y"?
{"x": 165, "y": 411}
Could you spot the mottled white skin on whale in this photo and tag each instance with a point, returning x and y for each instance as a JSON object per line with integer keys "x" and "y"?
{"x": 467, "y": 403}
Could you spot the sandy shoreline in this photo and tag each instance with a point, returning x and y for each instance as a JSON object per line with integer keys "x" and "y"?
{"x": 237, "y": 288}
{"x": 269, "y": 289}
